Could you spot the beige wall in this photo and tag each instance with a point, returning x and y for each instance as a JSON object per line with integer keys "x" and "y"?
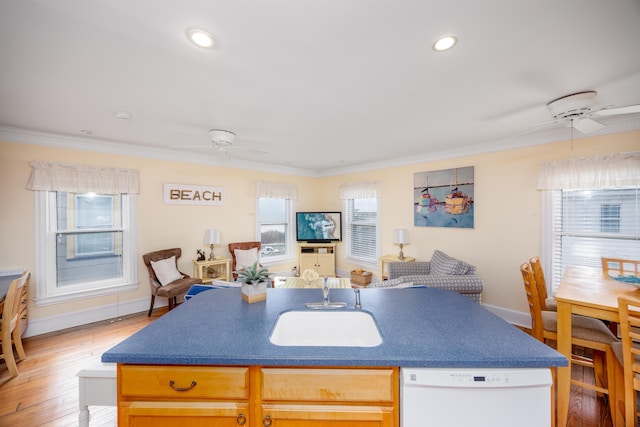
{"x": 507, "y": 210}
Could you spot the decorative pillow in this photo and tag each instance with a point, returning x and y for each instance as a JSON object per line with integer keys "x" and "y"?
{"x": 442, "y": 263}
{"x": 166, "y": 270}
{"x": 245, "y": 257}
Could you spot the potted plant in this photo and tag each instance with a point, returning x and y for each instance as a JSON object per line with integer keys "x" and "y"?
{"x": 254, "y": 281}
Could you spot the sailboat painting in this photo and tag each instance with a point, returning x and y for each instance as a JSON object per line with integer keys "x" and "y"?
{"x": 444, "y": 198}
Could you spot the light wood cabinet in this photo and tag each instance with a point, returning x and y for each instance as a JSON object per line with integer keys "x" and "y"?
{"x": 327, "y": 397}
{"x": 191, "y": 396}
{"x": 257, "y": 396}
{"x": 320, "y": 257}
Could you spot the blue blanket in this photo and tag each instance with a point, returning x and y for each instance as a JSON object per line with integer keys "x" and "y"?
{"x": 627, "y": 279}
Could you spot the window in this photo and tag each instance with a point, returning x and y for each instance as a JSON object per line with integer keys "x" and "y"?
{"x": 362, "y": 229}
{"x": 586, "y": 225}
{"x": 275, "y": 217}
{"x": 610, "y": 218}
{"x": 88, "y": 245}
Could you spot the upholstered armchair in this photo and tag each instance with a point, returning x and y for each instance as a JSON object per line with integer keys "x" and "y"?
{"x": 243, "y": 254}
{"x": 164, "y": 277}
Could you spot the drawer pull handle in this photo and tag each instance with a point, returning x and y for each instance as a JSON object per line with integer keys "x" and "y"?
{"x": 241, "y": 419}
{"x": 172, "y": 384}
{"x": 267, "y": 421}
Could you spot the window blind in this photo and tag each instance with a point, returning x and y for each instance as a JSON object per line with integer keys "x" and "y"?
{"x": 590, "y": 224}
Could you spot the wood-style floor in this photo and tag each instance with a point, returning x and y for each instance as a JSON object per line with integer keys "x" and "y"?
{"x": 46, "y": 391}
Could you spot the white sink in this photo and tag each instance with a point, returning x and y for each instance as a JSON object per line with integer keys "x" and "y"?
{"x": 326, "y": 329}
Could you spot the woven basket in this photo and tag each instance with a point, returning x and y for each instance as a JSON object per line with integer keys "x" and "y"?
{"x": 361, "y": 279}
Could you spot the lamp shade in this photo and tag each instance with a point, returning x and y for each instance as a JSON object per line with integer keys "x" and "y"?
{"x": 401, "y": 236}
{"x": 211, "y": 237}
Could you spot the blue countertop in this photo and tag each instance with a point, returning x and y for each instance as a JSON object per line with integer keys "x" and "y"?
{"x": 421, "y": 327}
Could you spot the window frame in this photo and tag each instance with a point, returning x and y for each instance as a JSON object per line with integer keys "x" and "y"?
{"x": 290, "y": 232}
{"x": 47, "y": 291}
{"x": 552, "y": 208}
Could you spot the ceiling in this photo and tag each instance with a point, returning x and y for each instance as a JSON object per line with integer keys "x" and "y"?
{"x": 318, "y": 87}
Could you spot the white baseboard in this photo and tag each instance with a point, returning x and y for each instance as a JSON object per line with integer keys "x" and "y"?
{"x": 514, "y": 317}
{"x": 83, "y": 317}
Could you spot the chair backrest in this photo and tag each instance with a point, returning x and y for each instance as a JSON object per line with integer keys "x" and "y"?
{"x": 241, "y": 246}
{"x": 541, "y": 283}
{"x": 622, "y": 267}
{"x": 157, "y": 256}
{"x": 629, "y": 311}
{"x": 11, "y": 308}
{"x": 535, "y": 309}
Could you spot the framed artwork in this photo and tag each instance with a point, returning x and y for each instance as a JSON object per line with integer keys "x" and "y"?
{"x": 444, "y": 198}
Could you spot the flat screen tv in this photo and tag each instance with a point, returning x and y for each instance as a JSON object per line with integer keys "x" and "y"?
{"x": 318, "y": 227}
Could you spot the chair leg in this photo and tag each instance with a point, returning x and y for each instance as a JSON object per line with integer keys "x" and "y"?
{"x": 9, "y": 359}
{"x": 172, "y": 303}
{"x": 599, "y": 368}
{"x": 17, "y": 341}
{"x": 153, "y": 299}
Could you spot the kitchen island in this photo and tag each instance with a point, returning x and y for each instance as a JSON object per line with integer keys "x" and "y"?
{"x": 242, "y": 376}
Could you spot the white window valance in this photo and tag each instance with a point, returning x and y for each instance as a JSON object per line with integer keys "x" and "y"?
{"x": 616, "y": 170}
{"x": 360, "y": 190}
{"x": 276, "y": 190}
{"x": 46, "y": 176}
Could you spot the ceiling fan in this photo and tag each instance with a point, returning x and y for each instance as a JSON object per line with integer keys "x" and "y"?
{"x": 577, "y": 109}
{"x": 223, "y": 141}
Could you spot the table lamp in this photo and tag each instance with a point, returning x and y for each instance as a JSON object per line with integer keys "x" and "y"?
{"x": 401, "y": 237}
{"x": 211, "y": 237}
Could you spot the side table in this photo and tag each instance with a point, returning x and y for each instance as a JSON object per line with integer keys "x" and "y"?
{"x": 385, "y": 259}
{"x": 220, "y": 266}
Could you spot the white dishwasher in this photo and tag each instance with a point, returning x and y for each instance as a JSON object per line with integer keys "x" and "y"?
{"x": 475, "y": 397}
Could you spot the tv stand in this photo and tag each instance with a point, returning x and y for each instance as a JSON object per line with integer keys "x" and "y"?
{"x": 320, "y": 257}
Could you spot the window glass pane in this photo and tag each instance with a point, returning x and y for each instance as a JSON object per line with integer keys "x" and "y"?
{"x": 74, "y": 270}
{"x": 274, "y": 227}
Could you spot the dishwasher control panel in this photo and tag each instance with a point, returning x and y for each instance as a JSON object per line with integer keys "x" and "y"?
{"x": 471, "y": 377}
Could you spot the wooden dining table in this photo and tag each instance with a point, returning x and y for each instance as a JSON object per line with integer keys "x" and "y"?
{"x": 588, "y": 292}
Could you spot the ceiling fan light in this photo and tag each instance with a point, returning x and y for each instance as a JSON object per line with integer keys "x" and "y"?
{"x": 200, "y": 38}
{"x": 224, "y": 137}
{"x": 572, "y": 105}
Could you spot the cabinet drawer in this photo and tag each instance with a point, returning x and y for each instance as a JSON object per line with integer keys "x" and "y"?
{"x": 183, "y": 382}
{"x": 323, "y": 385}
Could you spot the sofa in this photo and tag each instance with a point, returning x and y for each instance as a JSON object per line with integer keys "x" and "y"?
{"x": 442, "y": 272}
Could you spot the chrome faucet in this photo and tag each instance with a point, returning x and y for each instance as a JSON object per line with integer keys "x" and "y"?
{"x": 325, "y": 292}
{"x": 357, "y": 291}
{"x": 325, "y": 299}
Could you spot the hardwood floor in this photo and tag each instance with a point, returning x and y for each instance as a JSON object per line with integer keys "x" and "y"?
{"x": 46, "y": 391}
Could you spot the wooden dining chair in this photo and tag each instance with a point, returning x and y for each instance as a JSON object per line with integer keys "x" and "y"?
{"x": 627, "y": 371}
{"x": 586, "y": 332}
{"x": 10, "y": 333}
{"x": 621, "y": 267}
{"x": 546, "y": 302}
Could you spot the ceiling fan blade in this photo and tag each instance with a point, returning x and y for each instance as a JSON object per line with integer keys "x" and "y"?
{"x": 586, "y": 125}
{"x": 236, "y": 147}
{"x": 629, "y": 109}
{"x": 191, "y": 146}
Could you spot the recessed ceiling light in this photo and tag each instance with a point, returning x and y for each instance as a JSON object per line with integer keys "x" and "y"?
{"x": 444, "y": 43}
{"x": 200, "y": 38}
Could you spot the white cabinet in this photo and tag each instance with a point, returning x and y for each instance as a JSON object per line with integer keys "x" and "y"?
{"x": 320, "y": 257}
